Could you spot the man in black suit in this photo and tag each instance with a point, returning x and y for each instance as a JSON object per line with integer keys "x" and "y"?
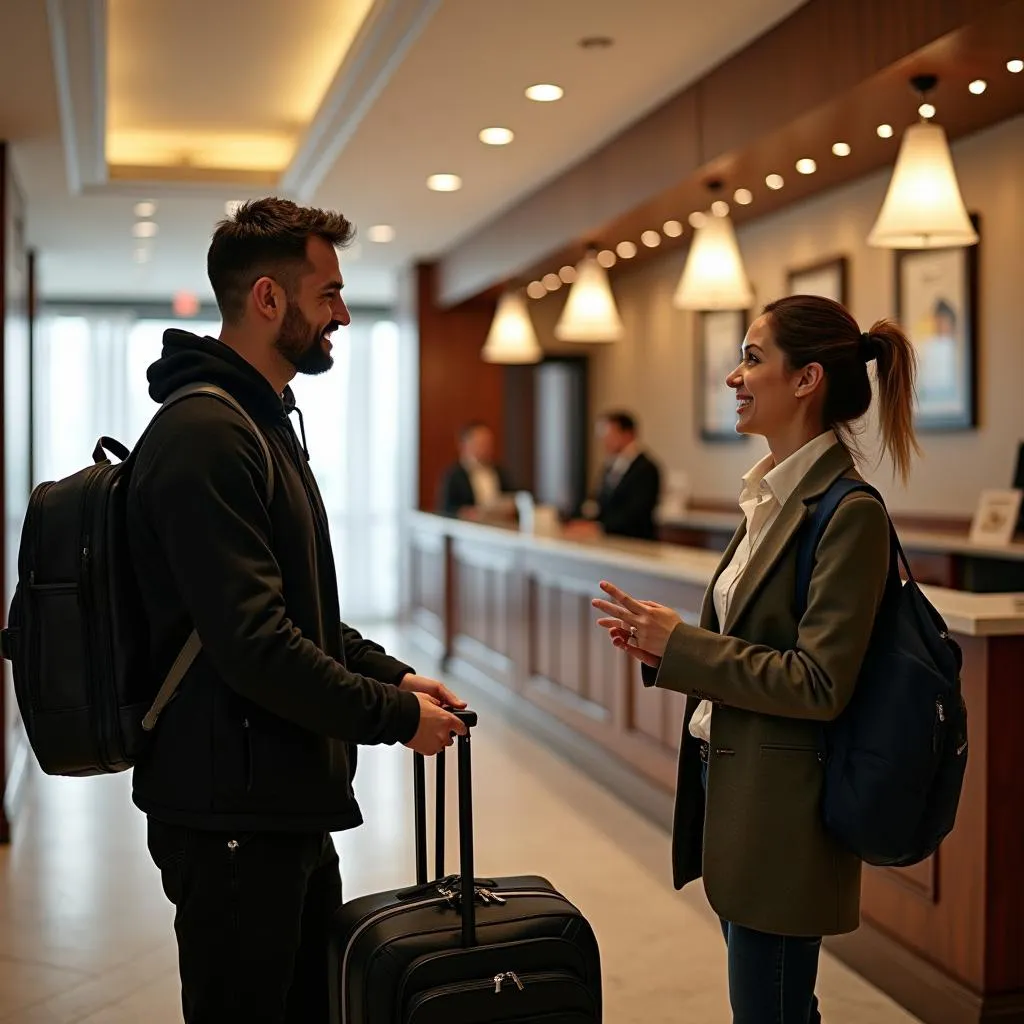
{"x": 473, "y": 483}
{"x": 630, "y": 484}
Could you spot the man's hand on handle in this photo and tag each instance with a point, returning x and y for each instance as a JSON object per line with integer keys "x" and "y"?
{"x": 437, "y": 726}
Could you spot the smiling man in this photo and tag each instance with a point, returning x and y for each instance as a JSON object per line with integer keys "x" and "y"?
{"x": 250, "y": 767}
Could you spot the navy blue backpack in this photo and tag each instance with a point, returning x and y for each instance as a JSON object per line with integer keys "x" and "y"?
{"x": 896, "y": 755}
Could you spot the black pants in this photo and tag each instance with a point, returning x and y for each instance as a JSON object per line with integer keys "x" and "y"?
{"x": 771, "y": 977}
{"x": 252, "y": 912}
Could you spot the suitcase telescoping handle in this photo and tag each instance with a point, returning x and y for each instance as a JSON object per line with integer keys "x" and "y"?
{"x": 465, "y": 770}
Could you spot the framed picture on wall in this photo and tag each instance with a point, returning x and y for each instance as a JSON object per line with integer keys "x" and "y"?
{"x": 936, "y": 304}
{"x": 827, "y": 278}
{"x": 720, "y": 336}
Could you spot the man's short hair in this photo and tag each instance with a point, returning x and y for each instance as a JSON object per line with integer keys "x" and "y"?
{"x": 267, "y": 238}
{"x": 625, "y": 421}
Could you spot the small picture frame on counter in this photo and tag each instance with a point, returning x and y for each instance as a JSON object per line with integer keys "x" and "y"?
{"x": 719, "y": 344}
{"x": 826, "y": 277}
{"x": 936, "y": 304}
{"x": 995, "y": 519}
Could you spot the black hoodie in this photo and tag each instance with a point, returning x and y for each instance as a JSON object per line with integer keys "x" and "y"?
{"x": 261, "y": 734}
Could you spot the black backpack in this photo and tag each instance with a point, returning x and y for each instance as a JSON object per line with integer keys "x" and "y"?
{"x": 896, "y": 755}
{"x": 77, "y": 636}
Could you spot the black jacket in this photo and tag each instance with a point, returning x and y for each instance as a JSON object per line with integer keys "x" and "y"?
{"x": 627, "y": 508}
{"x": 261, "y": 734}
{"x": 456, "y": 489}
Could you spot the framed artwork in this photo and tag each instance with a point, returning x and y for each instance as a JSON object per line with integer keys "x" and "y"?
{"x": 720, "y": 336}
{"x": 827, "y": 278}
{"x": 936, "y": 304}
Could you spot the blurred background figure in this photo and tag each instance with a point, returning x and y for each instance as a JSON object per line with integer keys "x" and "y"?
{"x": 474, "y": 486}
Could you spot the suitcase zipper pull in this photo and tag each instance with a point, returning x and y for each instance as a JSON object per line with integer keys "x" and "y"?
{"x": 500, "y": 979}
{"x": 492, "y": 897}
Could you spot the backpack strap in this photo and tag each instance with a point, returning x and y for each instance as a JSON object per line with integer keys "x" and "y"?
{"x": 192, "y": 646}
{"x": 815, "y": 527}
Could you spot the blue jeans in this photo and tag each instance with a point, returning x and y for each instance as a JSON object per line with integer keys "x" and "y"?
{"x": 771, "y": 977}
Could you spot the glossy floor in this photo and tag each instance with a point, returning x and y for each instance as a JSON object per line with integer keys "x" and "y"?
{"x": 85, "y": 933}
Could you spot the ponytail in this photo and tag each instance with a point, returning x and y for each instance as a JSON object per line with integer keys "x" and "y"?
{"x": 896, "y": 365}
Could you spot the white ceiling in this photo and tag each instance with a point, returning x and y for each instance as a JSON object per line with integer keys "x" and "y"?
{"x": 465, "y": 69}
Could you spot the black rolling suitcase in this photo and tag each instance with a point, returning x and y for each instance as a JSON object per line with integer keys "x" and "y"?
{"x": 459, "y": 949}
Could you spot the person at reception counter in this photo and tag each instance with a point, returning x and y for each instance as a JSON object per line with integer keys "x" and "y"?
{"x": 474, "y": 485}
{"x": 629, "y": 489}
{"x": 759, "y": 680}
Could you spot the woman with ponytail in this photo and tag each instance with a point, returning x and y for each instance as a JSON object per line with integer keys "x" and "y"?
{"x": 760, "y": 680}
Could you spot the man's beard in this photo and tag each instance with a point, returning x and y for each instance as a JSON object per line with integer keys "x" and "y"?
{"x": 302, "y": 344}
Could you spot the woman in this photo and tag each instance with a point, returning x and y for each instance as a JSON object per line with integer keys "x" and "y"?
{"x": 760, "y": 684}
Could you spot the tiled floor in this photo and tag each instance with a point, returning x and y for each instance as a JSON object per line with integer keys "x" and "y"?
{"x": 85, "y": 933}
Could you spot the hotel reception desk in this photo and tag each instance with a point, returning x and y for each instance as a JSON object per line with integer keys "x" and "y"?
{"x": 512, "y": 612}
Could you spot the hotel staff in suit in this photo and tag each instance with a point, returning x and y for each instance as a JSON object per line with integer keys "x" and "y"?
{"x": 759, "y": 682}
{"x": 630, "y": 484}
{"x": 474, "y": 482}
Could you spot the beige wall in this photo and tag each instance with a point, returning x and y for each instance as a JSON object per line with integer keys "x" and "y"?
{"x": 652, "y": 370}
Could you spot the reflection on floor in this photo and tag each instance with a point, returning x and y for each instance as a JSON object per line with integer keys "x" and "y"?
{"x": 85, "y": 932}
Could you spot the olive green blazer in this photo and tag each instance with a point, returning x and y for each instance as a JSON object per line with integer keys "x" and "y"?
{"x": 767, "y": 861}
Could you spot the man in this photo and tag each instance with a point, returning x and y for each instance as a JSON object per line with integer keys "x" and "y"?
{"x": 250, "y": 767}
{"x": 473, "y": 483}
{"x": 630, "y": 485}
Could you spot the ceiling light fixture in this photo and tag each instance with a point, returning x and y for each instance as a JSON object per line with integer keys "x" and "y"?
{"x": 552, "y": 282}
{"x": 651, "y": 239}
{"x": 672, "y": 228}
{"x": 145, "y": 209}
{"x": 1015, "y": 67}
{"x": 697, "y": 219}
{"x": 544, "y": 92}
{"x": 496, "y": 136}
{"x": 626, "y": 250}
{"x": 743, "y": 196}
{"x": 841, "y": 149}
{"x": 607, "y": 259}
{"x": 775, "y": 182}
{"x": 567, "y": 274}
{"x": 512, "y": 339}
{"x": 536, "y": 290}
{"x": 720, "y": 208}
{"x": 927, "y": 111}
{"x": 806, "y": 165}
{"x": 978, "y": 86}
{"x": 884, "y": 131}
{"x": 923, "y": 208}
{"x": 381, "y": 233}
{"x": 714, "y": 277}
{"x": 145, "y": 229}
{"x": 590, "y": 313}
{"x": 444, "y": 183}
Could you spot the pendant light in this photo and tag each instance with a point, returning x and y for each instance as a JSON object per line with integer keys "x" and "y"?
{"x": 512, "y": 339}
{"x": 923, "y": 208}
{"x": 590, "y": 313}
{"x": 714, "y": 277}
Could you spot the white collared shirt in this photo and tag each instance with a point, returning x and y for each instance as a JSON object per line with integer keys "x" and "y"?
{"x": 484, "y": 481}
{"x": 622, "y": 462}
{"x": 766, "y": 488}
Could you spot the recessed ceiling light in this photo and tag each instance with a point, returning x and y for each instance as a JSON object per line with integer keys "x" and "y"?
{"x": 496, "y": 136}
{"x": 145, "y": 209}
{"x": 444, "y": 183}
{"x": 774, "y": 182}
{"x": 841, "y": 149}
{"x": 884, "y": 131}
{"x": 743, "y": 196}
{"x": 567, "y": 274}
{"x": 144, "y": 229}
{"x": 231, "y": 206}
{"x": 536, "y": 290}
{"x": 697, "y": 219}
{"x": 381, "y": 233}
{"x": 627, "y": 250}
{"x": 651, "y": 239}
{"x": 544, "y": 92}
{"x": 141, "y": 255}
{"x": 927, "y": 110}
{"x": 672, "y": 228}
{"x": 720, "y": 208}
{"x": 606, "y": 258}
{"x": 806, "y": 165}
{"x": 1015, "y": 67}
{"x": 552, "y": 282}
{"x": 978, "y": 86}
